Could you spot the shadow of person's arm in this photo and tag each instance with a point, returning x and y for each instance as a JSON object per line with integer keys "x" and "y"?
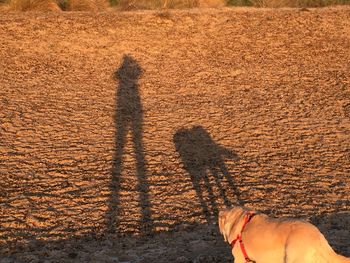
{"x": 227, "y": 153}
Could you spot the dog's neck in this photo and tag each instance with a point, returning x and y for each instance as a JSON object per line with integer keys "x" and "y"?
{"x": 237, "y": 225}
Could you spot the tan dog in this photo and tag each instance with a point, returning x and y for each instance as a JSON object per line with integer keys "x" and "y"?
{"x": 267, "y": 240}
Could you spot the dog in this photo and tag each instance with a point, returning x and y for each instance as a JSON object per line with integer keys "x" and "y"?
{"x": 254, "y": 237}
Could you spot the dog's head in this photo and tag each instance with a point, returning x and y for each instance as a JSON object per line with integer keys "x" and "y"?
{"x": 229, "y": 219}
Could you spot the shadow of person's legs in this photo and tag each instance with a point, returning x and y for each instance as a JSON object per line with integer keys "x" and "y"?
{"x": 142, "y": 187}
{"x": 216, "y": 174}
{"x": 113, "y": 204}
{"x": 223, "y": 169}
{"x": 196, "y": 175}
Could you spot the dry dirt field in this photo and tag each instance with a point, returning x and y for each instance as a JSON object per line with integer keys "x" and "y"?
{"x": 123, "y": 134}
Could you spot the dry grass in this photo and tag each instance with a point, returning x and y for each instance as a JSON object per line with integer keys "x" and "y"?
{"x": 99, "y": 5}
{"x": 33, "y": 5}
{"x": 58, "y": 5}
{"x": 4, "y": 7}
{"x": 212, "y": 3}
{"x": 154, "y": 4}
{"x": 85, "y": 5}
{"x": 287, "y": 3}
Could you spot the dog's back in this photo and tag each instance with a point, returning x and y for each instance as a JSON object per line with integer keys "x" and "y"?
{"x": 280, "y": 240}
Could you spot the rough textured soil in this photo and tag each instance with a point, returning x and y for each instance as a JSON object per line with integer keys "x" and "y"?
{"x": 123, "y": 134}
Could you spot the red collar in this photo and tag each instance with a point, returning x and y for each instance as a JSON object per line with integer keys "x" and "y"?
{"x": 248, "y": 216}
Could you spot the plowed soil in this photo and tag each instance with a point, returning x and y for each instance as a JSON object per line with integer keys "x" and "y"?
{"x": 123, "y": 134}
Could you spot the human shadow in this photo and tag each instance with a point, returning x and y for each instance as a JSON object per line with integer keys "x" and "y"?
{"x": 336, "y": 228}
{"x": 128, "y": 118}
{"x": 204, "y": 160}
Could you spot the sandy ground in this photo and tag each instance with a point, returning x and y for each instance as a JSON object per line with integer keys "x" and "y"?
{"x": 123, "y": 134}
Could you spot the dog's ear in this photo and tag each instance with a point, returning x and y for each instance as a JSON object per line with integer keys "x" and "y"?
{"x": 229, "y": 220}
{"x": 222, "y": 222}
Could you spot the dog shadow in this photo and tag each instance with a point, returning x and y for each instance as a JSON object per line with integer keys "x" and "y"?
{"x": 204, "y": 160}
